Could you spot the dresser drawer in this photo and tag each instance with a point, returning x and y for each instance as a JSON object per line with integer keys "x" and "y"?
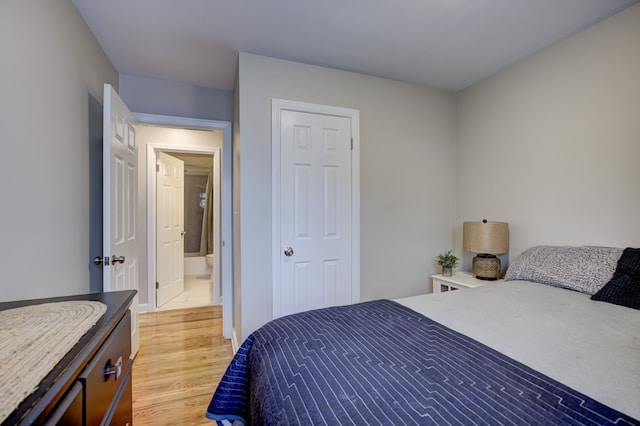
{"x": 121, "y": 413}
{"x": 69, "y": 410}
{"x": 106, "y": 372}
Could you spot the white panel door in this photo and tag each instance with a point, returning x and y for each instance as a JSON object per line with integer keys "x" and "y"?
{"x": 120, "y": 196}
{"x": 315, "y": 215}
{"x": 170, "y": 228}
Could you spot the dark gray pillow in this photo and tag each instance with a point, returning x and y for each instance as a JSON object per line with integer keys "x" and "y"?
{"x": 624, "y": 288}
{"x": 585, "y": 269}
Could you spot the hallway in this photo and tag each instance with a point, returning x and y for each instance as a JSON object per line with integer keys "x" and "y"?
{"x": 182, "y": 357}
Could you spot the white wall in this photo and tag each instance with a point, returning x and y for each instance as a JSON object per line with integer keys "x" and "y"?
{"x": 407, "y": 176}
{"x": 552, "y": 144}
{"x": 161, "y": 136}
{"x": 52, "y": 74}
{"x": 165, "y": 97}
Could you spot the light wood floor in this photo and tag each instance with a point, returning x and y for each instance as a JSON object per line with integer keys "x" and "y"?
{"x": 182, "y": 357}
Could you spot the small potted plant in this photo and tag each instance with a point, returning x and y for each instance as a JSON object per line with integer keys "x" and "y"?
{"x": 448, "y": 261}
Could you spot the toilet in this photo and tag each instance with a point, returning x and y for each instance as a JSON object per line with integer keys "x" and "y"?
{"x": 210, "y": 263}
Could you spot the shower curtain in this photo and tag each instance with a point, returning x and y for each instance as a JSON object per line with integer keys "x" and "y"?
{"x": 206, "y": 236}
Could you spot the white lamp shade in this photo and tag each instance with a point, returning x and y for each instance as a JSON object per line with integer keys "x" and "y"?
{"x": 485, "y": 237}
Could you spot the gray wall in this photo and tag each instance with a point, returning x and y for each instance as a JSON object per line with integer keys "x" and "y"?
{"x": 51, "y": 77}
{"x": 551, "y": 145}
{"x": 407, "y": 176}
{"x": 164, "y": 97}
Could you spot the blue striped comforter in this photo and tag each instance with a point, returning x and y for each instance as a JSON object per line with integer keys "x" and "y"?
{"x": 382, "y": 363}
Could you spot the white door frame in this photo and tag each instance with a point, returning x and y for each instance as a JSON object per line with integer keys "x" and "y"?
{"x": 223, "y": 263}
{"x": 277, "y": 106}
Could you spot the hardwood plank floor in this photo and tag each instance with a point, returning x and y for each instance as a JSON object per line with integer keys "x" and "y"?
{"x": 182, "y": 357}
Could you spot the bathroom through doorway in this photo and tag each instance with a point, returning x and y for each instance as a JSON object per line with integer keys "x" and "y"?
{"x": 202, "y": 145}
{"x": 187, "y": 195}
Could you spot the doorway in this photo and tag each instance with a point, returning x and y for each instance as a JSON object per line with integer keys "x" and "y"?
{"x": 221, "y": 169}
{"x": 316, "y": 207}
{"x": 187, "y": 194}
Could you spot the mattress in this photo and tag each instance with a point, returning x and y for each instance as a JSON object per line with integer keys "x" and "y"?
{"x": 592, "y": 347}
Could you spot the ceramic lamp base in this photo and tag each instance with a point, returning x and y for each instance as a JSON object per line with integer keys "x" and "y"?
{"x": 486, "y": 267}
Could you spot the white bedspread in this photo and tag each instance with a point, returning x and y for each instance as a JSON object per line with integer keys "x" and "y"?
{"x": 592, "y": 347}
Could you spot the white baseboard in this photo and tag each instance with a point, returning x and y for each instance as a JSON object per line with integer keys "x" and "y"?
{"x": 235, "y": 344}
{"x": 143, "y": 308}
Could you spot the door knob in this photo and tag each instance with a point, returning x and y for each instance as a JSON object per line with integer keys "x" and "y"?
{"x": 183, "y": 232}
{"x": 288, "y": 251}
{"x": 115, "y": 259}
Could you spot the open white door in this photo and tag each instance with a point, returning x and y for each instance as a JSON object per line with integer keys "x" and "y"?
{"x": 170, "y": 228}
{"x": 120, "y": 197}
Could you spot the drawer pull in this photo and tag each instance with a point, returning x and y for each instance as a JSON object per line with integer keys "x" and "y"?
{"x": 114, "y": 369}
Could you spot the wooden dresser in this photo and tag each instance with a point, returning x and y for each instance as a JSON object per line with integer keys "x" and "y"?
{"x": 91, "y": 385}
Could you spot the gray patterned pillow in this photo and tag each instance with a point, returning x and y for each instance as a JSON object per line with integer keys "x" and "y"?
{"x": 585, "y": 269}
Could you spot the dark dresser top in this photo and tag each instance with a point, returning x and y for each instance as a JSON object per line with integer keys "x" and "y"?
{"x": 35, "y": 407}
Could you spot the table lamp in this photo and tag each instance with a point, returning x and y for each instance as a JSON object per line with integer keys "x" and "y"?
{"x": 486, "y": 239}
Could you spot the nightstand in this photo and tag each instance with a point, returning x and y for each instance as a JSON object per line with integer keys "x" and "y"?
{"x": 457, "y": 281}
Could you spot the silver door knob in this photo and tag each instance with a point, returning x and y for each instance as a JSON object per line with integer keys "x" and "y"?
{"x": 115, "y": 259}
{"x": 288, "y": 251}
{"x": 183, "y": 232}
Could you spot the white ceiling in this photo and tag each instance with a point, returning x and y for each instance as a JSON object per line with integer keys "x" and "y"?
{"x": 447, "y": 44}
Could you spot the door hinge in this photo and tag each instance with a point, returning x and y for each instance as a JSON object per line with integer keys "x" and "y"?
{"x": 157, "y": 285}
{"x": 157, "y": 168}
{"x": 351, "y": 144}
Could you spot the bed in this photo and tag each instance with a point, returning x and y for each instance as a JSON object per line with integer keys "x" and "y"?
{"x": 557, "y": 343}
